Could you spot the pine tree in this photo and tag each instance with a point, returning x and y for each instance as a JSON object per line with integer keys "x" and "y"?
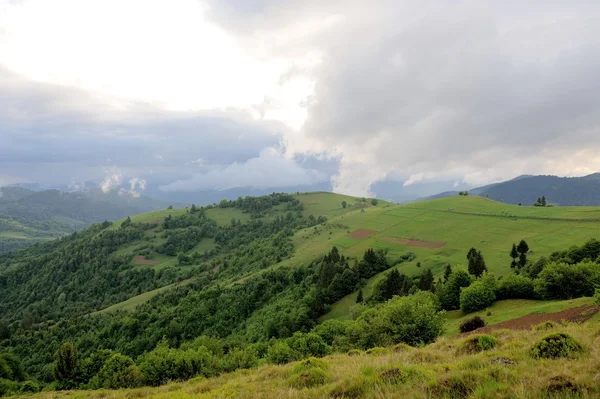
{"x": 523, "y": 249}
{"x": 67, "y": 364}
{"x": 359, "y": 298}
{"x": 426, "y": 280}
{"x": 447, "y": 272}
{"x": 477, "y": 264}
{"x": 514, "y": 254}
{"x": 193, "y": 209}
{"x": 543, "y": 201}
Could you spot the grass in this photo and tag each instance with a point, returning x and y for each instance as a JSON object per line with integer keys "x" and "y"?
{"x": 439, "y": 370}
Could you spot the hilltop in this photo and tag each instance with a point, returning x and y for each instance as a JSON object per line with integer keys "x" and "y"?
{"x": 28, "y": 217}
{"x": 526, "y": 189}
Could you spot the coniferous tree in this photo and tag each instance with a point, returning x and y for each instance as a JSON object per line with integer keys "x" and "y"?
{"x": 477, "y": 264}
{"x": 426, "y": 280}
{"x": 67, "y": 364}
{"x": 359, "y": 298}
{"x": 514, "y": 254}
{"x": 447, "y": 272}
{"x": 523, "y": 249}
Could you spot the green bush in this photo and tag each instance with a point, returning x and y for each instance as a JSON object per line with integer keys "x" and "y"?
{"x": 597, "y": 296}
{"x": 240, "y": 359}
{"x": 119, "y": 371}
{"x": 515, "y": 286}
{"x": 280, "y": 353}
{"x": 477, "y": 296}
{"x": 477, "y": 343}
{"x": 564, "y": 281}
{"x": 555, "y": 346}
{"x": 29, "y": 387}
{"x": 309, "y": 344}
{"x": 309, "y": 373}
{"x": 8, "y": 387}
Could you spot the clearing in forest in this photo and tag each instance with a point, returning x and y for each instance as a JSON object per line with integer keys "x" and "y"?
{"x": 141, "y": 260}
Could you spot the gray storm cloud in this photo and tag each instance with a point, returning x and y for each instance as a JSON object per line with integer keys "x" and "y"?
{"x": 478, "y": 90}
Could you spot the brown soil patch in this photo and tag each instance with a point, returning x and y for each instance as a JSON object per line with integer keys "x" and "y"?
{"x": 413, "y": 242}
{"x": 361, "y": 234}
{"x": 579, "y": 314}
{"x": 141, "y": 260}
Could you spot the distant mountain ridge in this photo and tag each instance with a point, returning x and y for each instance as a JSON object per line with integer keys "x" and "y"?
{"x": 526, "y": 189}
{"x": 28, "y": 217}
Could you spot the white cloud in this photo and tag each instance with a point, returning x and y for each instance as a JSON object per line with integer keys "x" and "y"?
{"x": 271, "y": 169}
{"x": 111, "y": 182}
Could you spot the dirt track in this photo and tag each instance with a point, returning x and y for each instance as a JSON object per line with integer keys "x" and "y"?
{"x": 361, "y": 234}
{"x": 413, "y": 242}
{"x": 579, "y": 314}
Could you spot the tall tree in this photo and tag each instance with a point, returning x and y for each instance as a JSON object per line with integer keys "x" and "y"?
{"x": 514, "y": 254}
{"x": 426, "y": 280}
{"x": 359, "y": 298}
{"x": 67, "y": 364}
{"x": 477, "y": 264}
{"x": 523, "y": 249}
{"x": 447, "y": 272}
{"x": 344, "y": 204}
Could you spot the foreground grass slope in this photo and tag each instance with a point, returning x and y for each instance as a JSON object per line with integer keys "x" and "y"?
{"x": 450, "y": 367}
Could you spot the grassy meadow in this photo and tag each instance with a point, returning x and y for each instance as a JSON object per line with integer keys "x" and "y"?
{"x": 448, "y": 368}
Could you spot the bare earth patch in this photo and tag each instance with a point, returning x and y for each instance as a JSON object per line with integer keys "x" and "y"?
{"x": 413, "y": 242}
{"x": 579, "y": 314}
{"x": 361, "y": 234}
{"x": 141, "y": 260}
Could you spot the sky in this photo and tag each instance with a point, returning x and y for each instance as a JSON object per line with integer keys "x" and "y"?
{"x": 191, "y": 95}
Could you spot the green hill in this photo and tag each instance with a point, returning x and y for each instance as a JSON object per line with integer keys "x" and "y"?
{"x": 30, "y": 217}
{"x": 255, "y": 272}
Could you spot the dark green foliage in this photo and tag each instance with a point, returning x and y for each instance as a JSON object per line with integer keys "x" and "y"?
{"x": 479, "y": 295}
{"x": 11, "y": 367}
{"x": 540, "y": 201}
{"x": 556, "y": 345}
{"x": 471, "y": 324}
{"x": 374, "y": 202}
{"x": 118, "y": 371}
{"x": 344, "y": 204}
{"x": 597, "y": 296}
{"x": 66, "y": 369}
{"x": 359, "y": 297}
{"x": 392, "y": 283}
{"x": 576, "y": 254}
{"x": 450, "y": 293}
{"x": 305, "y": 345}
{"x": 564, "y": 281}
{"x": 426, "y": 280}
{"x": 447, "y": 272}
{"x": 477, "y": 264}
{"x": 514, "y": 254}
{"x": 280, "y": 353}
{"x": 515, "y": 286}
{"x": 523, "y": 250}
{"x": 29, "y": 387}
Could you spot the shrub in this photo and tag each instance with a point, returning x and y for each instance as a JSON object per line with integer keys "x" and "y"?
{"x": 477, "y": 296}
{"x": 352, "y": 388}
{"x": 330, "y": 329}
{"x": 355, "y": 352}
{"x": 309, "y": 373}
{"x": 478, "y": 343}
{"x": 377, "y": 351}
{"x": 309, "y": 344}
{"x": 546, "y": 325}
{"x": 119, "y": 371}
{"x": 597, "y": 296}
{"x": 30, "y": 387}
{"x": 515, "y": 286}
{"x": 401, "y": 375}
{"x": 555, "y": 346}
{"x": 280, "y": 353}
{"x": 240, "y": 359}
{"x": 564, "y": 281}
{"x": 7, "y": 387}
{"x": 471, "y": 324}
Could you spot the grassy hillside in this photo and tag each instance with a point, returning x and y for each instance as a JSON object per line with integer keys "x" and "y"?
{"x": 450, "y": 367}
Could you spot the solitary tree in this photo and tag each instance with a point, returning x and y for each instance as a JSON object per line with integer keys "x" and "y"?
{"x": 523, "y": 249}
{"x": 344, "y": 204}
{"x": 193, "y": 209}
{"x": 543, "y": 202}
{"x": 476, "y": 262}
{"x": 126, "y": 222}
{"x": 359, "y": 298}
{"x": 67, "y": 364}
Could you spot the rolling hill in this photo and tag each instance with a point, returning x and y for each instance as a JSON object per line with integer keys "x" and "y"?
{"x": 247, "y": 271}
{"x": 28, "y": 217}
{"x": 563, "y": 191}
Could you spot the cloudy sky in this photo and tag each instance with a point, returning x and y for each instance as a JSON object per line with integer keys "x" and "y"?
{"x": 195, "y": 95}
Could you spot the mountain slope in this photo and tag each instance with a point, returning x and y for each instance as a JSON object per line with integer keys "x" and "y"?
{"x": 28, "y": 217}
{"x": 564, "y": 191}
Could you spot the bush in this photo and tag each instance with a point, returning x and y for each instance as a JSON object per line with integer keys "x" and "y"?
{"x": 478, "y": 343}
{"x": 555, "y": 346}
{"x": 330, "y": 329}
{"x": 280, "y": 353}
{"x": 309, "y": 373}
{"x": 309, "y": 344}
{"x": 413, "y": 320}
{"x": 564, "y": 281}
{"x": 471, "y": 324}
{"x": 515, "y": 286}
{"x": 30, "y": 387}
{"x": 119, "y": 371}
{"x": 597, "y": 296}
{"x": 477, "y": 296}
{"x": 7, "y": 387}
{"x": 240, "y": 359}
